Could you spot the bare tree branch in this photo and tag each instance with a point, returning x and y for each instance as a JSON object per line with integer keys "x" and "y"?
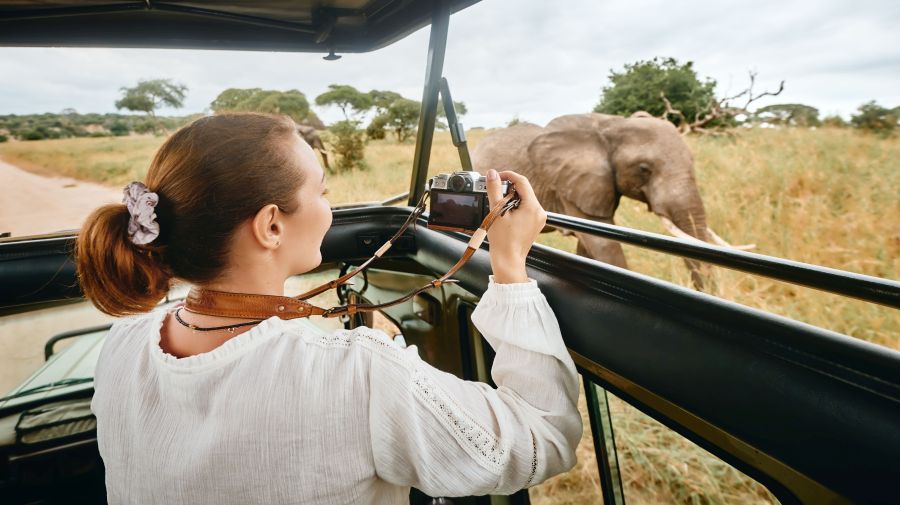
{"x": 717, "y": 108}
{"x": 675, "y": 112}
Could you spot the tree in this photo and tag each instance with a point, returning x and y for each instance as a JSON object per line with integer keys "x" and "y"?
{"x": 313, "y": 120}
{"x": 231, "y": 98}
{"x": 381, "y": 100}
{"x": 292, "y": 103}
{"x": 669, "y": 90}
{"x": 874, "y": 118}
{"x": 459, "y": 107}
{"x": 402, "y": 117}
{"x": 150, "y": 95}
{"x": 639, "y": 85}
{"x": 347, "y": 98}
{"x": 375, "y": 130}
{"x": 834, "y": 121}
{"x": 788, "y": 114}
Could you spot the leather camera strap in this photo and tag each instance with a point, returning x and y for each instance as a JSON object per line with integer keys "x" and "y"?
{"x": 252, "y": 306}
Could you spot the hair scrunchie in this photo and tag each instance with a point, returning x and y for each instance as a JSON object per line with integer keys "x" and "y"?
{"x": 141, "y": 203}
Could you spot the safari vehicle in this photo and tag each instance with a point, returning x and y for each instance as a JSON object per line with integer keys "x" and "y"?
{"x": 811, "y": 415}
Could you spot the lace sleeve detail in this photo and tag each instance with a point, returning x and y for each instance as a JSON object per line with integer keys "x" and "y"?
{"x": 479, "y": 442}
{"x": 451, "y": 437}
{"x": 533, "y": 461}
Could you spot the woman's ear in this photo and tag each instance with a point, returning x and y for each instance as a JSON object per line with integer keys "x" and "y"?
{"x": 267, "y": 227}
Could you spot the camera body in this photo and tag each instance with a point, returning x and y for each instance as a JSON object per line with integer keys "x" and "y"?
{"x": 459, "y": 201}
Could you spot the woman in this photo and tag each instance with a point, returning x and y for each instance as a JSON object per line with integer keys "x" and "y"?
{"x": 272, "y": 412}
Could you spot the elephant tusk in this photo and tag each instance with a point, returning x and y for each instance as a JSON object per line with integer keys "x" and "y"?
{"x": 676, "y": 231}
{"x": 720, "y": 241}
{"x": 679, "y": 233}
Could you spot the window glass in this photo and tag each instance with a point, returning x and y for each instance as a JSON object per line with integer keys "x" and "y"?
{"x": 658, "y": 465}
{"x": 53, "y": 185}
{"x": 300, "y": 284}
{"x": 23, "y": 335}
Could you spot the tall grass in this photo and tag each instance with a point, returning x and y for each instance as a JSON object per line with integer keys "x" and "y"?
{"x": 826, "y": 196}
{"x": 109, "y": 160}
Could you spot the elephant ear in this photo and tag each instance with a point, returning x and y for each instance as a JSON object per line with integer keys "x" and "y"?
{"x": 574, "y": 164}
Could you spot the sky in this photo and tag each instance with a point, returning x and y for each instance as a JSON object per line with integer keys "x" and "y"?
{"x": 531, "y": 59}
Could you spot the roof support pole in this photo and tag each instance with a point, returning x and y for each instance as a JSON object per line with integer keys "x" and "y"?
{"x": 434, "y": 69}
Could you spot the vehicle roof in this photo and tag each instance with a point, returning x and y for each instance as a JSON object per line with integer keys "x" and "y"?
{"x": 266, "y": 25}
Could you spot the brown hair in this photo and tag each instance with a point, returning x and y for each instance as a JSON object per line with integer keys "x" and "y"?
{"x": 211, "y": 176}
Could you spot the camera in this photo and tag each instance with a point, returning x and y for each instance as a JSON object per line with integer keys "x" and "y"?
{"x": 459, "y": 201}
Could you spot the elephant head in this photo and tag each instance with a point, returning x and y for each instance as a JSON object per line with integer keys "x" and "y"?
{"x": 582, "y": 164}
{"x": 311, "y": 136}
{"x": 607, "y": 157}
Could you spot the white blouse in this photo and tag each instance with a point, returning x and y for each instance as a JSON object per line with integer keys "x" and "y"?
{"x": 288, "y": 413}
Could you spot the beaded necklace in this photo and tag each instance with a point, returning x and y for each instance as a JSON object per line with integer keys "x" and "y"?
{"x": 229, "y": 327}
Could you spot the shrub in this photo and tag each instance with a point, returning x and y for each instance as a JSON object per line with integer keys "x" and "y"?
{"x": 834, "y": 121}
{"x": 875, "y": 119}
{"x": 119, "y": 129}
{"x": 375, "y": 130}
{"x": 788, "y": 114}
{"x": 146, "y": 126}
{"x": 348, "y": 144}
{"x": 3, "y": 138}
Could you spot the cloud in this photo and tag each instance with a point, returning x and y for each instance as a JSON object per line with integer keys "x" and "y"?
{"x": 533, "y": 59}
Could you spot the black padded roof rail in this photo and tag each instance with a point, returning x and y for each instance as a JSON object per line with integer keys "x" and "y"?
{"x": 264, "y": 25}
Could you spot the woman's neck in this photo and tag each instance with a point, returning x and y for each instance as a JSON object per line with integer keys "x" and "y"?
{"x": 256, "y": 283}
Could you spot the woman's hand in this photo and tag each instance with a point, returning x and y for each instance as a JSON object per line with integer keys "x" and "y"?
{"x": 512, "y": 234}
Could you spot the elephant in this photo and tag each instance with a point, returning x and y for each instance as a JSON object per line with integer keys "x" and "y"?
{"x": 582, "y": 164}
{"x": 311, "y": 136}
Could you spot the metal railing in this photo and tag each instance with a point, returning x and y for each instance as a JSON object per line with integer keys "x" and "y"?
{"x": 864, "y": 287}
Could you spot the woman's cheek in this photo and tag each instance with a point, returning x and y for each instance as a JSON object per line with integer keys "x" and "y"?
{"x": 329, "y": 213}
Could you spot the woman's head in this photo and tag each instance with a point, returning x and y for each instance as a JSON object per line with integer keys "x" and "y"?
{"x": 234, "y": 190}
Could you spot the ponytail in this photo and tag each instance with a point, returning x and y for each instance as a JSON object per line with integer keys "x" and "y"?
{"x": 119, "y": 277}
{"x": 195, "y": 177}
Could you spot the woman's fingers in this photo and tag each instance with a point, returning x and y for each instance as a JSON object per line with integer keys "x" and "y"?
{"x": 523, "y": 187}
{"x": 494, "y": 191}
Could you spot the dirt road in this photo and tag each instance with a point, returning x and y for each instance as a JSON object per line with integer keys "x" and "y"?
{"x": 31, "y": 204}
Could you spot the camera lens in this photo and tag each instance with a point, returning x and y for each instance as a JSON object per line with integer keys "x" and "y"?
{"x": 457, "y": 183}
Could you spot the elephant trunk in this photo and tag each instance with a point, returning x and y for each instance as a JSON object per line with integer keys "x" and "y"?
{"x": 686, "y": 218}
{"x": 692, "y": 222}
{"x": 680, "y": 208}
{"x": 681, "y": 211}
